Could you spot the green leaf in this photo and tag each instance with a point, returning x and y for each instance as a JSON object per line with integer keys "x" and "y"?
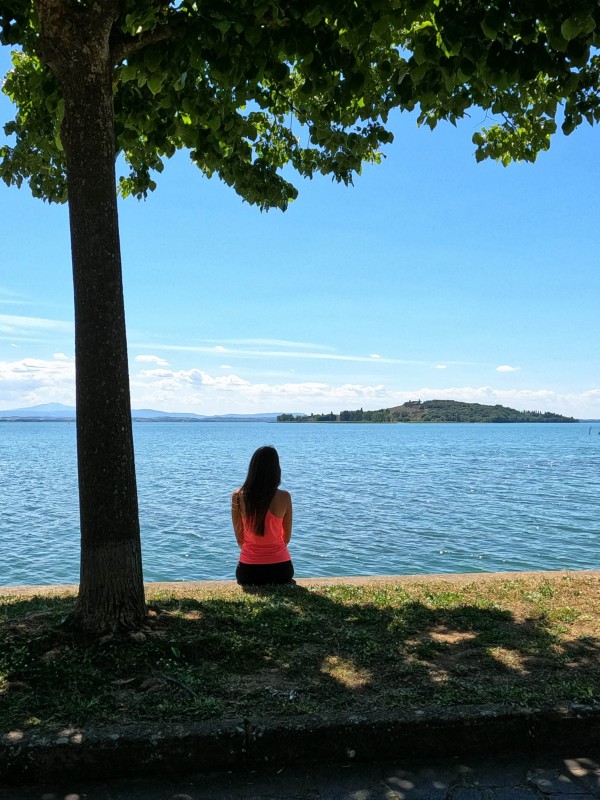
{"x": 128, "y": 73}
{"x": 419, "y": 53}
{"x": 490, "y": 32}
{"x": 253, "y": 35}
{"x": 180, "y": 82}
{"x": 197, "y": 60}
{"x": 152, "y": 58}
{"x": 223, "y": 25}
{"x": 313, "y": 17}
{"x": 570, "y": 28}
{"x": 155, "y": 83}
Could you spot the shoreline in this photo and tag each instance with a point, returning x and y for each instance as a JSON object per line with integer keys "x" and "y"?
{"x": 180, "y": 587}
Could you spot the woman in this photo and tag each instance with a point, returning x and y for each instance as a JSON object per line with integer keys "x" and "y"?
{"x": 262, "y": 520}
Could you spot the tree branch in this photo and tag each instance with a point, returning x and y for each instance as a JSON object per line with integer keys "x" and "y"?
{"x": 125, "y": 47}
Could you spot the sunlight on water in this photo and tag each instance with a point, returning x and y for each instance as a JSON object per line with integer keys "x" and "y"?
{"x": 368, "y": 499}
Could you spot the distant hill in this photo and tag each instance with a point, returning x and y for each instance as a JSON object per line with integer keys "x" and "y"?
{"x": 433, "y": 411}
{"x": 174, "y": 417}
{"x": 47, "y": 411}
{"x": 412, "y": 411}
{"x": 57, "y": 412}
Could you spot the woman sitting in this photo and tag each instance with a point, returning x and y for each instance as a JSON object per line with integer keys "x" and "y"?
{"x": 262, "y": 520}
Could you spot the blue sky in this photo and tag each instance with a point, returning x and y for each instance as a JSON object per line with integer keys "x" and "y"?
{"x": 433, "y": 277}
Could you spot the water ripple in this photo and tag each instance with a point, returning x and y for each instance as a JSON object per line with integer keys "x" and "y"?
{"x": 368, "y": 499}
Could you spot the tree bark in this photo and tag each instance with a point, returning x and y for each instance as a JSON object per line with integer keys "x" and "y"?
{"x": 74, "y": 43}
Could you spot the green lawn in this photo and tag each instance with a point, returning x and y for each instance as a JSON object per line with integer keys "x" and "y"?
{"x": 223, "y": 653}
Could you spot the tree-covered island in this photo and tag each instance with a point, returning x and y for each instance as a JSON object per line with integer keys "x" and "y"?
{"x": 433, "y": 411}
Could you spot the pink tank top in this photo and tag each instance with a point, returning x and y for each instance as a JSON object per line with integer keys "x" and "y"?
{"x": 267, "y": 549}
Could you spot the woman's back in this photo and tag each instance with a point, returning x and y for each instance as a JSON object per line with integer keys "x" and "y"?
{"x": 278, "y": 505}
{"x": 266, "y": 548}
{"x": 262, "y": 521}
{"x": 278, "y": 515}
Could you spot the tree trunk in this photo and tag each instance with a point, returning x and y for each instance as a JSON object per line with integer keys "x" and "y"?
{"x": 111, "y": 594}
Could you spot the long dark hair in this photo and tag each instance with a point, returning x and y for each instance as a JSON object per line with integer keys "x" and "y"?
{"x": 264, "y": 476}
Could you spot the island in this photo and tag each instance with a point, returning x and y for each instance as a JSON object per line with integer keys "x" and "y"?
{"x": 433, "y": 411}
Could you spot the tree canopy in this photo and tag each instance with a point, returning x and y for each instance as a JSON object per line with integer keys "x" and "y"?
{"x": 253, "y": 85}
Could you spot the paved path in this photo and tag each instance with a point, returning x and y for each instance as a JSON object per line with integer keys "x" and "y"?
{"x": 503, "y": 778}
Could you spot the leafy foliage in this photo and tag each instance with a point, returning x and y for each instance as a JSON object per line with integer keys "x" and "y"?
{"x": 252, "y": 86}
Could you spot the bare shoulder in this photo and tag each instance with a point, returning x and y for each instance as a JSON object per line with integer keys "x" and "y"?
{"x": 236, "y": 496}
{"x": 280, "y": 503}
{"x": 284, "y": 498}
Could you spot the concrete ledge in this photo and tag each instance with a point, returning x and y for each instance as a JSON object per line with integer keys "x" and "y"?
{"x": 235, "y": 744}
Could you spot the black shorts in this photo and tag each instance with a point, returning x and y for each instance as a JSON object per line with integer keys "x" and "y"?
{"x": 263, "y": 574}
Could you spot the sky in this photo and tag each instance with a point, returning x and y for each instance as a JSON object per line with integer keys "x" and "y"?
{"x": 433, "y": 277}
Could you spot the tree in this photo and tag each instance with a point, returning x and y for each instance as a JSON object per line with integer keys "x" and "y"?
{"x": 247, "y": 87}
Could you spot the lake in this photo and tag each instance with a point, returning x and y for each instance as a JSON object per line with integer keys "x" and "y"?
{"x": 368, "y": 499}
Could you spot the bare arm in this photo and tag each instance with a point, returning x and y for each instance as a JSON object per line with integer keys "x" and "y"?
{"x": 236, "y": 518}
{"x": 287, "y": 520}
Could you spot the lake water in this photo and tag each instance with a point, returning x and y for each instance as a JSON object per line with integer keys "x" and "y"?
{"x": 368, "y": 499}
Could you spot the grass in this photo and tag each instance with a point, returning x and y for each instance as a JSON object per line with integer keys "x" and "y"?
{"x": 223, "y": 653}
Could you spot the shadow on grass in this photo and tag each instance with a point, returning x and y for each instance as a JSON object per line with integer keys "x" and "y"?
{"x": 290, "y": 650}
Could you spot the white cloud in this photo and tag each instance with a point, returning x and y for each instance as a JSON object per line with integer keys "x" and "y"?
{"x": 375, "y": 355}
{"x": 440, "y": 366}
{"x": 30, "y": 381}
{"x": 10, "y": 298}
{"x": 577, "y": 404}
{"x": 14, "y": 324}
{"x": 161, "y": 362}
{"x": 190, "y": 377}
{"x": 226, "y": 366}
{"x": 506, "y": 368}
{"x": 273, "y": 354}
{"x": 155, "y": 373}
{"x": 272, "y": 343}
{"x": 197, "y": 390}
